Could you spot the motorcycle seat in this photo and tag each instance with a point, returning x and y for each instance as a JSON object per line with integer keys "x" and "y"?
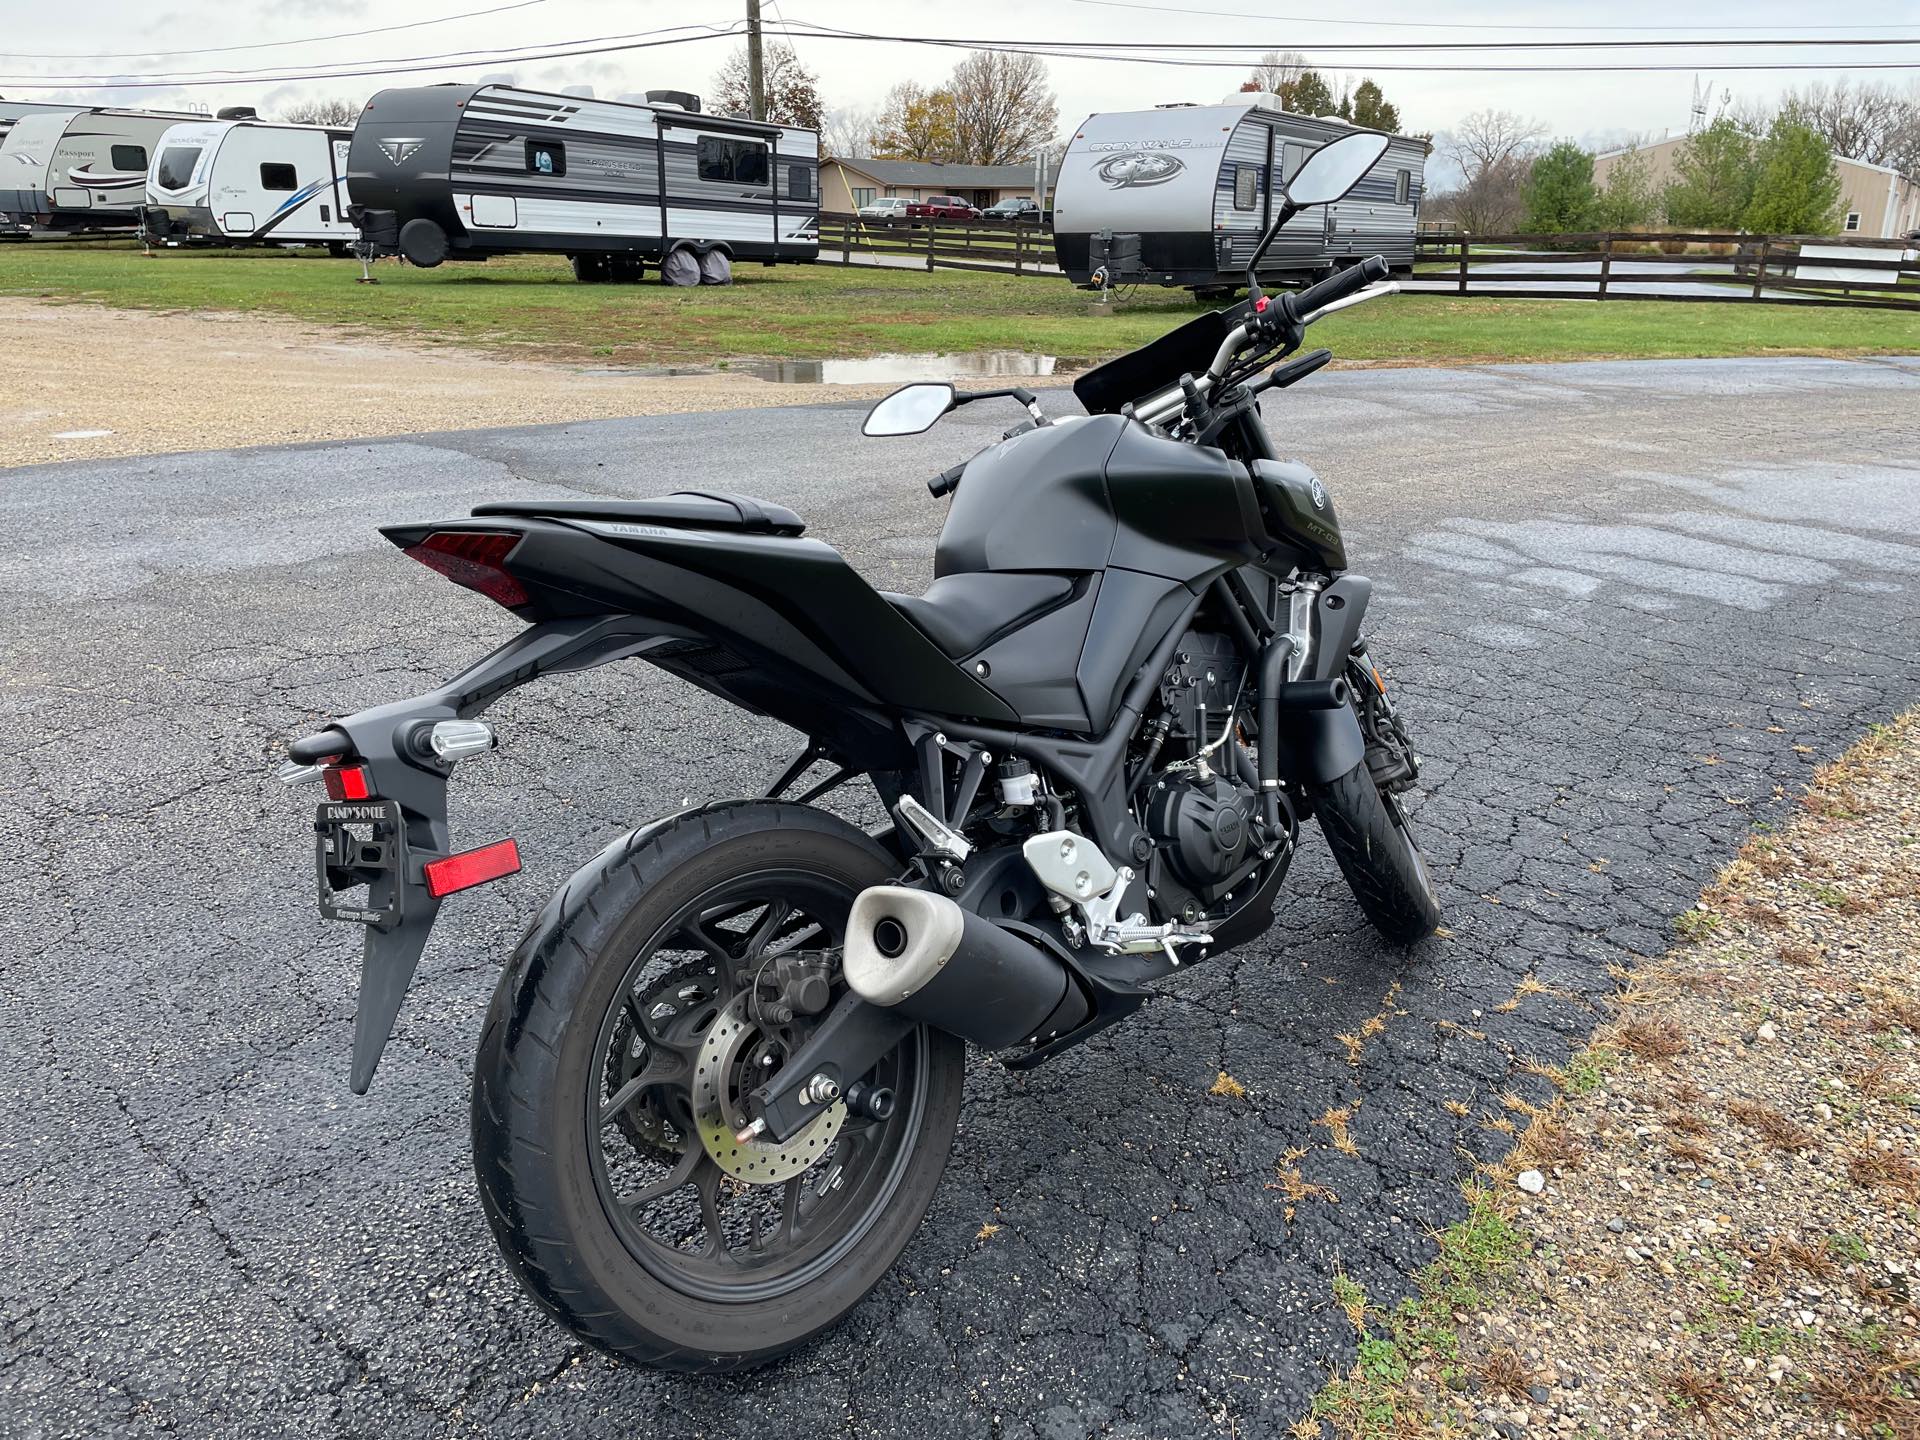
{"x": 961, "y": 613}
{"x": 692, "y": 509}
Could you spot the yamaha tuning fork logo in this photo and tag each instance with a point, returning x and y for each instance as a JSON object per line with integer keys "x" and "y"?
{"x": 1134, "y": 169}
{"x": 399, "y": 150}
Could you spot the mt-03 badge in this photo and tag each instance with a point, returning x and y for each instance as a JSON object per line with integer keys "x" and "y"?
{"x": 1136, "y": 168}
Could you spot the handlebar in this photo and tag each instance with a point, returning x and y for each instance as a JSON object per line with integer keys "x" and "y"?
{"x": 1297, "y": 305}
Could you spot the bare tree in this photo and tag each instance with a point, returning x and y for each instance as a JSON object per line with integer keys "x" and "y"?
{"x": 1494, "y": 150}
{"x": 323, "y": 112}
{"x": 1871, "y": 122}
{"x": 1003, "y": 107}
{"x": 850, "y": 131}
{"x": 1277, "y": 71}
{"x": 793, "y": 91}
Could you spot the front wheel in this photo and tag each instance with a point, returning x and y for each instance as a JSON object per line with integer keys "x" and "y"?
{"x": 1366, "y": 829}
{"x": 607, "y": 1095}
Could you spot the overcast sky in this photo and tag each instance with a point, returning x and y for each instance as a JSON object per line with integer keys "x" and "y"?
{"x": 1597, "y": 109}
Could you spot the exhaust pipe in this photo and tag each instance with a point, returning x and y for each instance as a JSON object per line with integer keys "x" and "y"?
{"x": 922, "y": 955}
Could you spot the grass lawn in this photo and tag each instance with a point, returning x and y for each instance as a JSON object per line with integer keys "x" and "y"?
{"x": 532, "y": 306}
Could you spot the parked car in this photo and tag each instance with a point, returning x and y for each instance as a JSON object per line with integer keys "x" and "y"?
{"x": 892, "y": 208}
{"x": 942, "y": 207}
{"x": 1015, "y": 210}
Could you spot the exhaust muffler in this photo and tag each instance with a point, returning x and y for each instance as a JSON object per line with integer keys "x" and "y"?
{"x": 922, "y": 955}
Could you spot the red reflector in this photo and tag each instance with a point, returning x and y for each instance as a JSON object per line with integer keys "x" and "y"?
{"x": 471, "y": 868}
{"x": 475, "y": 559}
{"x": 347, "y": 782}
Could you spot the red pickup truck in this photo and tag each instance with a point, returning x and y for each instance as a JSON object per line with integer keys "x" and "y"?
{"x": 942, "y": 207}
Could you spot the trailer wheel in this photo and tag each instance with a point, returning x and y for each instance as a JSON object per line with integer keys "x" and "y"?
{"x": 591, "y": 269}
{"x": 627, "y": 269}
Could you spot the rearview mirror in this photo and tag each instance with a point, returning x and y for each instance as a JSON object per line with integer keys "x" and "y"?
{"x": 909, "y": 411}
{"x": 1335, "y": 168}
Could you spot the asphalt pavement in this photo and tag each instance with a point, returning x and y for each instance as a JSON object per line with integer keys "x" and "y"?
{"x": 1626, "y": 608}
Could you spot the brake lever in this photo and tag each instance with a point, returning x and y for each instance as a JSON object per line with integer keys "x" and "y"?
{"x": 1294, "y": 371}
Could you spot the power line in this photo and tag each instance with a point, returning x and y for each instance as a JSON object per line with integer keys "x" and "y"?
{"x": 796, "y": 29}
{"x": 404, "y": 64}
{"x": 264, "y": 44}
{"x": 1447, "y": 24}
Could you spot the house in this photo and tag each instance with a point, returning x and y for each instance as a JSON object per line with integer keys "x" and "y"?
{"x": 1878, "y": 201}
{"x": 847, "y": 183}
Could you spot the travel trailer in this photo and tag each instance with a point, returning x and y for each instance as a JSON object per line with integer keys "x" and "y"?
{"x": 79, "y": 169}
{"x": 461, "y": 172}
{"x": 245, "y": 181}
{"x": 1180, "y": 195}
{"x": 12, "y": 110}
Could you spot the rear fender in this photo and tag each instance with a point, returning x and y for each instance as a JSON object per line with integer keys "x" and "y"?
{"x": 391, "y": 742}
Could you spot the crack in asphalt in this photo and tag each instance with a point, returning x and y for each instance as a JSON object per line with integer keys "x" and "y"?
{"x": 1626, "y": 608}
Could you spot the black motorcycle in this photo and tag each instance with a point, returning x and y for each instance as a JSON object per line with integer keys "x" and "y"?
{"x": 721, "y": 1073}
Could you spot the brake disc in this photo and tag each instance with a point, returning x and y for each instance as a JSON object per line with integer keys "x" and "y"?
{"x": 729, "y": 1065}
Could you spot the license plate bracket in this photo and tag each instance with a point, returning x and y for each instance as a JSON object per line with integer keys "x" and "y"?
{"x": 344, "y": 860}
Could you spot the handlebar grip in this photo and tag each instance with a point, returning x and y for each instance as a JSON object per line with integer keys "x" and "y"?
{"x": 1350, "y": 281}
{"x": 947, "y": 481}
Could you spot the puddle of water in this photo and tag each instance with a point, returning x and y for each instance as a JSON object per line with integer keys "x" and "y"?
{"x": 868, "y": 370}
{"x": 80, "y": 434}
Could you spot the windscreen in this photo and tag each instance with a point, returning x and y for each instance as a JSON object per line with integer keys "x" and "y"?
{"x": 175, "y": 171}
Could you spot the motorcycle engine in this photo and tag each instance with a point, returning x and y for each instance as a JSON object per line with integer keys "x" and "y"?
{"x": 1203, "y": 827}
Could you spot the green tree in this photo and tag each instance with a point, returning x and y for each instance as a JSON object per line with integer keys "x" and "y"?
{"x": 1560, "y": 193}
{"x": 1796, "y": 189}
{"x": 1371, "y": 110}
{"x": 1627, "y": 199}
{"x": 1713, "y": 182}
{"x": 1309, "y": 95}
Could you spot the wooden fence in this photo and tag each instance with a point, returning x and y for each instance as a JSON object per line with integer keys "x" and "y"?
{"x": 1783, "y": 269}
{"x": 994, "y": 246}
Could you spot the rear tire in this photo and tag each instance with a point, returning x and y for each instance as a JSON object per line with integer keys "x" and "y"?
{"x": 542, "y": 1163}
{"x": 1376, "y": 851}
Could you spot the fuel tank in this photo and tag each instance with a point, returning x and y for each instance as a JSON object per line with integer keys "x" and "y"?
{"x": 1103, "y": 492}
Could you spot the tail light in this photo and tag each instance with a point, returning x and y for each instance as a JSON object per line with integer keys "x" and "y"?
{"x": 475, "y": 559}
{"x": 348, "y": 782}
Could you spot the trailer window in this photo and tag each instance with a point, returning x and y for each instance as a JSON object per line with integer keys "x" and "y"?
{"x": 546, "y": 157}
{"x": 278, "y": 177}
{"x": 176, "y": 166}
{"x": 1246, "y": 187}
{"x": 1291, "y": 159}
{"x": 744, "y": 162}
{"x": 129, "y": 157}
{"x": 1402, "y": 186}
{"x": 799, "y": 183}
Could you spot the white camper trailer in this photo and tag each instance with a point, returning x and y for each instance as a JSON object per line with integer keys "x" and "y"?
{"x": 245, "y": 181}
{"x": 79, "y": 170}
{"x": 12, "y": 110}
{"x": 1180, "y": 195}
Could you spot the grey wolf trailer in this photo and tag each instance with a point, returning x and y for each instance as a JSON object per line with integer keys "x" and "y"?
{"x": 461, "y": 172}
{"x": 1180, "y": 195}
{"x": 244, "y": 181}
{"x": 80, "y": 170}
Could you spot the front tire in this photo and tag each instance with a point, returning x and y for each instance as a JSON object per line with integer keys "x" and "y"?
{"x": 645, "y": 938}
{"x": 1376, "y": 851}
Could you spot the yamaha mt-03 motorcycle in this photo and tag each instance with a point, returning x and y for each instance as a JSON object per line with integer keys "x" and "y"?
{"x": 719, "y": 1078}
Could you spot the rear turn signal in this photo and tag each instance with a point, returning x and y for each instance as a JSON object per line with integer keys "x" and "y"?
{"x": 475, "y": 559}
{"x": 471, "y": 868}
{"x": 348, "y": 782}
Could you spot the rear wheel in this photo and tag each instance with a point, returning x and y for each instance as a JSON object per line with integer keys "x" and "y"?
{"x": 607, "y": 1093}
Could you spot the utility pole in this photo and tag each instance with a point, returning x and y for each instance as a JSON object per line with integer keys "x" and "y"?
{"x": 756, "y": 70}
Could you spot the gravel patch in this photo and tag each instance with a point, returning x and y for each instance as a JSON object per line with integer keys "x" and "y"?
{"x": 82, "y": 382}
{"x": 1715, "y": 1227}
